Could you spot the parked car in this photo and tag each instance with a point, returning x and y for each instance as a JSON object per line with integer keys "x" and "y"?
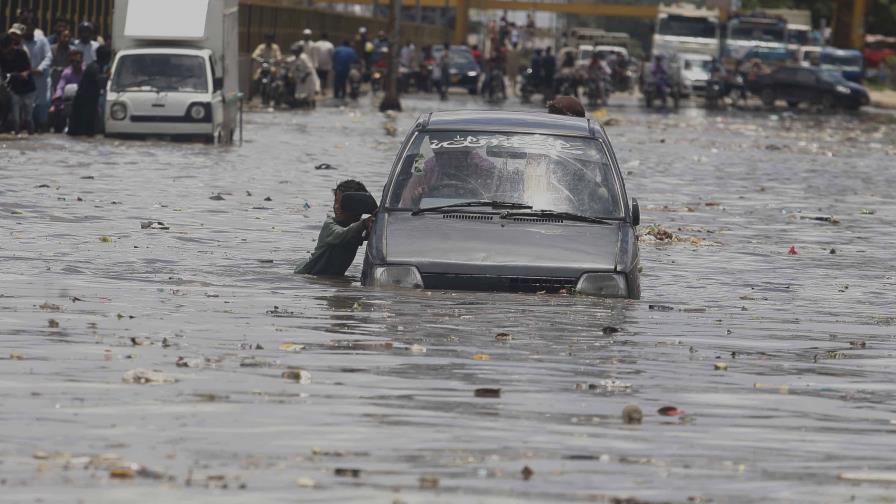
{"x": 812, "y": 85}
{"x": 505, "y": 201}
{"x": 465, "y": 72}
{"x": 770, "y": 57}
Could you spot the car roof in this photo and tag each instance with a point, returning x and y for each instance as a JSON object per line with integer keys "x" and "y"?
{"x": 504, "y": 121}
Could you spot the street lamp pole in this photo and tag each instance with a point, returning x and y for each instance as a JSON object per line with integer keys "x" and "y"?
{"x": 390, "y": 100}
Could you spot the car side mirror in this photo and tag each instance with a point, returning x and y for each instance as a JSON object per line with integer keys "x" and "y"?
{"x": 358, "y": 203}
{"x": 218, "y": 83}
{"x": 636, "y": 213}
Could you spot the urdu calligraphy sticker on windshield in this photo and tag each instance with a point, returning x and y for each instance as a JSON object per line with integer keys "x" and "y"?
{"x": 527, "y": 143}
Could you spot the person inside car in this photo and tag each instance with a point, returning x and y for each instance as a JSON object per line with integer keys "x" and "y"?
{"x": 450, "y": 172}
{"x": 340, "y": 237}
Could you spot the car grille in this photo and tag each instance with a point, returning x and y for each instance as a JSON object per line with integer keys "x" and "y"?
{"x": 465, "y": 216}
{"x": 537, "y": 219}
{"x": 441, "y": 281}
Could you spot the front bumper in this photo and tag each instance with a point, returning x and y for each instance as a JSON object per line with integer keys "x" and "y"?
{"x": 128, "y": 127}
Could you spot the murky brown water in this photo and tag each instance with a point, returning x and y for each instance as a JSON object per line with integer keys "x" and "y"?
{"x": 808, "y": 339}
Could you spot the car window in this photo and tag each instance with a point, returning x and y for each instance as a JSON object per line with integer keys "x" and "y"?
{"x": 805, "y": 77}
{"x": 160, "y": 72}
{"x": 548, "y": 172}
{"x": 785, "y": 75}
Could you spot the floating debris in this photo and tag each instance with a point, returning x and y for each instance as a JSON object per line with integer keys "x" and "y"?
{"x": 527, "y": 473}
{"x": 610, "y": 330}
{"x": 429, "y": 482}
{"x": 305, "y": 483}
{"x": 482, "y": 357}
{"x": 297, "y": 375}
{"x": 720, "y": 366}
{"x": 503, "y": 337}
{"x": 659, "y": 307}
{"x": 142, "y": 376}
{"x": 669, "y": 411}
{"x": 154, "y": 225}
{"x": 106, "y": 239}
{"x": 487, "y": 392}
{"x": 216, "y": 197}
{"x": 632, "y": 414}
{"x": 291, "y": 347}
{"x": 347, "y": 472}
{"x": 53, "y": 324}
{"x": 48, "y": 306}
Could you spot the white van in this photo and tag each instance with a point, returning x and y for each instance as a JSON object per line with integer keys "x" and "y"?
{"x": 175, "y": 72}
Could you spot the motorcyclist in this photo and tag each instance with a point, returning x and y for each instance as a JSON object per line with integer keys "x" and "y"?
{"x": 568, "y": 75}
{"x": 660, "y": 76}
{"x": 266, "y": 51}
{"x": 598, "y": 74}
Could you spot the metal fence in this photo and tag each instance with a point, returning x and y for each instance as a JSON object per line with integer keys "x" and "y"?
{"x": 257, "y": 17}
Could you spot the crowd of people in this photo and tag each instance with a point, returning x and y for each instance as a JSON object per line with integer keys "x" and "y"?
{"x": 51, "y": 82}
{"x": 507, "y": 63}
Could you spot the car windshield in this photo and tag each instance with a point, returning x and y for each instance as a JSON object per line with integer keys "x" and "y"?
{"x": 685, "y": 26}
{"x": 548, "y": 172}
{"x": 797, "y": 37}
{"x": 160, "y": 72}
{"x": 762, "y": 32}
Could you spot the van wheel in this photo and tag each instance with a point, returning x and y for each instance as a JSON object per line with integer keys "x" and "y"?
{"x": 768, "y": 97}
{"x": 827, "y": 102}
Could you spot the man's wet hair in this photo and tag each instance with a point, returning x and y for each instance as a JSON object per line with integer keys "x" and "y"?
{"x": 350, "y": 185}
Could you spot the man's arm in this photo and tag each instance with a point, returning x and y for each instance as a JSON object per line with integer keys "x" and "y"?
{"x": 334, "y": 234}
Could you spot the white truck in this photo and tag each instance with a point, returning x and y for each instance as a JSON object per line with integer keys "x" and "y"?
{"x": 685, "y": 28}
{"x": 176, "y": 70}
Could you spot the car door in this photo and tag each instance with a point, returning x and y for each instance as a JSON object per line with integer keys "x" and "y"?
{"x": 783, "y": 82}
{"x": 806, "y": 85}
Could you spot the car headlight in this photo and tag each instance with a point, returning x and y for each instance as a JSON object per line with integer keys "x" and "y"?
{"x": 197, "y": 111}
{"x": 472, "y": 73}
{"x": 397, "y": 276}
{"x": 118, "y": 111}
{"x": 603, "y": 284}
{"x": 842, "y": 89}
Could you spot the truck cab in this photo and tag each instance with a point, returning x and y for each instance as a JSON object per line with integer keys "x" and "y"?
{"x": 174, "y": 79}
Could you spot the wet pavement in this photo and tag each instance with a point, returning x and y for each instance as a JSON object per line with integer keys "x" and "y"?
{"x": 780, "y": 364}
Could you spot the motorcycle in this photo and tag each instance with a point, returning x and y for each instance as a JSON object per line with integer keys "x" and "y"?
{"x": 714, "y": 93}
{"x": 265, "y": 80}
{"x": 494, "y": 87}
{"x": 567, "y": 84}
{"x": 354, "y": 82}
{"x": 527, "y": 85}
{"x": 62, "y": 108}
{"x": 660, "y": 89}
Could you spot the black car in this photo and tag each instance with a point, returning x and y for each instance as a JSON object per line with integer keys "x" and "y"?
{"x": 505, "y": 201}
{"x": 463, "y": 69}
{"x": 797, "y": 85}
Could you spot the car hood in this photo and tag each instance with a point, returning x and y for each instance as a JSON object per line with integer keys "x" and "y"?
{"x": 454, "y": 244}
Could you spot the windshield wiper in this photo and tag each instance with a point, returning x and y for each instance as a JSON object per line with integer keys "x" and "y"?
{"x": 557, "y": 215}
{"x": 474, "y": 203}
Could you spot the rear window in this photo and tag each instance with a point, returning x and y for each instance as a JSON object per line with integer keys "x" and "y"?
{"x": 566, "y": 174}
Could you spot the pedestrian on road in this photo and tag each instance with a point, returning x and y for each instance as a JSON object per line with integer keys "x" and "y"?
{"x": 323, "y": 50}
{"x": 512, "y": 69}
{"x": 340, "y": 237}
{"x": 14, "y": 60}
{"x": 548, "y": 69}
{"x": 441, "y": 72}
{"x": 85, "y": 42}
{"x": 58, "y": 28}
{"x": 85, "y": 107}
{"x": 304, "y": 74}
{"x": 41, "y": 64}
{"x": 343, "y": 57}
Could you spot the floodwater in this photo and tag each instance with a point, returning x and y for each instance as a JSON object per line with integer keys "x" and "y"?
{"x": 806, "y": 410}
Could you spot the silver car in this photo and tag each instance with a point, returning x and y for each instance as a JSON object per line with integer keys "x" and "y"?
{"x": 506, "y": 201}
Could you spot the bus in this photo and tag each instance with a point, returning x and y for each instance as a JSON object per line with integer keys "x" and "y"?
{"x": 744, "y": 32}
{"x": 685, "y": 28}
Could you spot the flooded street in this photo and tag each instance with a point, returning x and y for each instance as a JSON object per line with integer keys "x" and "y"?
{"x": 779, "y": 364}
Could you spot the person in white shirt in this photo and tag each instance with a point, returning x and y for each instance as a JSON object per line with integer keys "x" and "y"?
{"x": 322, "y": 54}
{"x": 85, "y": 43}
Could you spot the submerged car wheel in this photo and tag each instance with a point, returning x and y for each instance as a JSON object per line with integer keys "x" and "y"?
{"x": 768, "y": 97}
{"x": 827, "y": 102}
